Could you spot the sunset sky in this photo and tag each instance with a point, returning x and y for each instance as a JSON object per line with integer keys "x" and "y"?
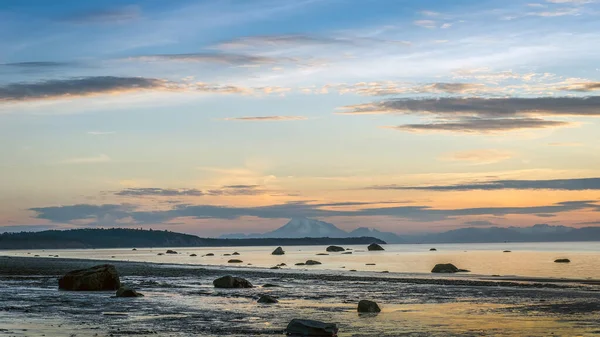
{"x": 212, "y": 117}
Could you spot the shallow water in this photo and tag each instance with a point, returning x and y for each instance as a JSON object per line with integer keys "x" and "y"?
{"x": 526, "y": 259}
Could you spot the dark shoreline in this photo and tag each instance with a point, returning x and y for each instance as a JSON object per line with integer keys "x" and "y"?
{"x": 42, "y": 266}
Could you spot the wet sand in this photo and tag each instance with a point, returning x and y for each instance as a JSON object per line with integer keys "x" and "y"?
{"x": 181, "y": 301}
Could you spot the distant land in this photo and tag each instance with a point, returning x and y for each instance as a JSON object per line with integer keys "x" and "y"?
{"x": 303, "y": 227}
{"x": 130, "y": 238}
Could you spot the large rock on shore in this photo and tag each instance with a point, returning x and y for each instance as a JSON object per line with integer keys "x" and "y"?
{"x": 306, "y": 327}
{"x": 278, "y": 251}
{"x": 231, "y": 282}
{"x": 447, "y": 268}
{"x": 368, "y": 306}
{"x": 98, "y": 278}
{"x": 125, "y": 291}
{"x": 335, "y": 249}
{"x": 374, "y": 246}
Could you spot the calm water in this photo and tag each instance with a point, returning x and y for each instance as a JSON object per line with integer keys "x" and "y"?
{"x": 526, "y": 259}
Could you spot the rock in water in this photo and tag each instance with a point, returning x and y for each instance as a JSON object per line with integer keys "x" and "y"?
{"x": 231, "y": 282}
{"x": 322, "y": 254}
{"x": 562, "y": 261}
{"x": 193, "y": 255}
{"x": 270, "y": 285}
{"x": 346, "y": 253}
{"x": 335, "y": 249}
{"x": 210, "y": 254}
{"x": 312, "y": 262}
{"x": 300, "y": 264}
{"x": 433, "y": 250}
{"x": 306, "y": 327}
{"x": 374, "y": 246}
{"x": 278, "y": 251}
{"x": 125, "y": 291}
{"x": 235, "y": 261}
{"x": 266, "y": 299}
{"x": 235, "y": 253}
{"x": 134, "y": 249}
{"x": 368, "y": 306}
{"x": 103, "y": 277}
{"x": 171, "y": 252}
{"x": 506, "y": 251}
{"x": 445, "y": 268}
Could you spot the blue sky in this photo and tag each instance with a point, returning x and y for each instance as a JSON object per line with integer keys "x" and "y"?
{"x": 112, "y": 112}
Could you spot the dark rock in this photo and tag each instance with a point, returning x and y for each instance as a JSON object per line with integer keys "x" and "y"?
{"x": 370, "y": 264}
{"x": 385, "y": 271}
{"x": 134, "y": 249}
{"x": 368, "y": 306}
{"x": 322, "y": 254}
{"x": 275, "y": 267}
{"x": 125, "y": 291}
{"x": 193, "y": 255}
{"x": 346, "y": 253}
{"x": 269, "y": 285}
{"x": 235, "y": 261}
{"x": 282, "y": 265}
{"x": 310, "y": 328}
{"x": 312, "y": 262}
{"x": 352, "y": 269}
{"x": 278, "y": 251}
{"x": 235, "y": 253}
{"x": 160, "y": 254}
{"x": 300, "y": 264}
{"x": 231, "y": 282}
{"x": 266, "y": 299}
{"x": 171, "y": 252}
{"x": 36, "y": 256}
{"x": 103, "y": 277}
{"x": 562, "y": 260}
{"x": 433, "y": 250}
{"x": 445, "y": 268}
{"x": 335, "y": 249}
{"x": 348, "y": 248}
{"x": 507, "y": 251}
{"x": 374, "y": 246}
{"x": 226, "y": 254}
{"x": 209, "y": 254}
{"x": 463, "y": 271}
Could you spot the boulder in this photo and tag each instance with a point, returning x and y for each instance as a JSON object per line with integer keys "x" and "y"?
{"x": 235, "y": 253}
{"x": 368, "y": 306}
{"x": 432, "y": 250}
{"x": 134, "y": 249}
{"x": 171, "y": 252}
{"x": 231, "y": 282}
{"x": 102, "y": 277}
{"x": 235, "y": 261}
{"x": 305, "y": 327}
{"x": 266, "y": 299}
{"x": 335, "y": 249}
{"x": 125, "y": 291}
{"x": 562, "y": 260}
{"x": 374, "y": 246}
{"x": 209, "y": 254}
{"x": 282, "y": 265}
{"x": 278, "y": 251}
{"x": 312, "y": 262}
{"x": 193, "y": 255}
{"x": 506, "y": 251}
{"x": 445, "y": 268}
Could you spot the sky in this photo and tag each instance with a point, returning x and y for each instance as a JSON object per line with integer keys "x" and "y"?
{"x": 213, "y": 117}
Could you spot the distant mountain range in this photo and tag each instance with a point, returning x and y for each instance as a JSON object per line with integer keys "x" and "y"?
{"x": 303, "y": 227}
{"x": 121, "y": 238}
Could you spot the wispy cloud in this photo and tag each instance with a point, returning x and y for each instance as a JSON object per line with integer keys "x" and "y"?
{"x": 223, "y": 58}
{"x": 426, "y": 23}
{"x": 478, "y": 157}
{"x": 262, "y": 41}
{"x": 36, "y": 64}
{"x": 266, "y": 118}
{"x": 162, "y": 192}
{"x": 102, "y": 158}
{"x": 582, "y": 87}
{"x": 574, "y": 184}
{"x": 481, "y": 125}
{"x": 111, "y": 15}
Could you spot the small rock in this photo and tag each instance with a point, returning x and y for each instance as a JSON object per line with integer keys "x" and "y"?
{"x": 562, "y": 261}
{"x": 352, "y": 269}
{"x": 193, "y": 255}
{"x": 160, "y": 254}
{"x": 300, "y": 264}
{"x": 312, "y": 262}
{"x": 134, "y": 249}
{"x": 278, "y": 251}
{"x": 231, "y": 282}
{"x": 226, "y": 254}
{"x": 270, "y": 285}
{"x": 444, "y": 268}
{"x": 506, "y": 251}
{"x": 125, "y": 291}
{"x": 432, "y": 250}
{"x": 235, "y": 253}
{"x": 266, "y": 299}
{"x": 374, "y": 246}
{"x": 275, "y": 267}
{"x": 322, "y": 254}
{"x": 209, "y": 254}
{"x": 171, "y": 252}
{"x": 335, "y": 249}
{"x": 385, "y": 272}
{"x": 368, "y": 306}
{"x": 282, "y": 265}
{"x": 36, "y": 256}
{"x": 346, "y": 253}
{"x": 235, "y": 261}
{"x": 305, "y": 327}
{"x": 370, "y": 264}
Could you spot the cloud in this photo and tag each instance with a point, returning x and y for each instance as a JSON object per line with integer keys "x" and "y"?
{"x": 582, "y": 87}
{"x": 39, "y": 64}
{"x": 589, "y": 223}
{"x": 102, "y": 158}
{"x": 114, "y": 15}
{"x": 65, "y": 214}
{"x": 425, "y": 23}
{"x": 393, "y": 88}
{"x": 236, "y": 190}
{"x": 100, "y": 133}
{"x": 163, "y": 192}
{"x": 266, "y": 118}
{"x": 480, "y": 223}
{"x": 565, "y": 144}
{"x": 481, "y": 125}
{"x": 232, "y": 59}
{"x": 262, "y": 41}
{"x": 574, "y": 184}
{"x": 478, "y": 157}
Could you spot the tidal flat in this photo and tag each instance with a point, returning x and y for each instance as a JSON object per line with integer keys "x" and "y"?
{"x": 180, "y": 300}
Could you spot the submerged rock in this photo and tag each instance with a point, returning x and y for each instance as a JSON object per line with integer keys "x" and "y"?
{"x": 335, "y": 249}
{"x": 368, "y": 306}
{"x": 278, "y": 251}
{"x": 102, "y": 277}
{"x": 266, "y": 299}
{"x": 562, "y": 260}
{"x": 235, "y": 261}
{"x": 306, "y": 327}
{"x": 374, "y": 246}
{"x": 125, "y": 291}
{"x": 447, "y": 268}
{"x": 312, "y": 262}
{"x": 231, "y": 282}
{"x": 171, "y": 252}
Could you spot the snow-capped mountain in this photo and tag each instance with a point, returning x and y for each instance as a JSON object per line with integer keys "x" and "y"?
{"x": 306, "y": 228}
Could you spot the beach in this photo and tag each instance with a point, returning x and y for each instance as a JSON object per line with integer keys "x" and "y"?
{"x": 180, "y": 300}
